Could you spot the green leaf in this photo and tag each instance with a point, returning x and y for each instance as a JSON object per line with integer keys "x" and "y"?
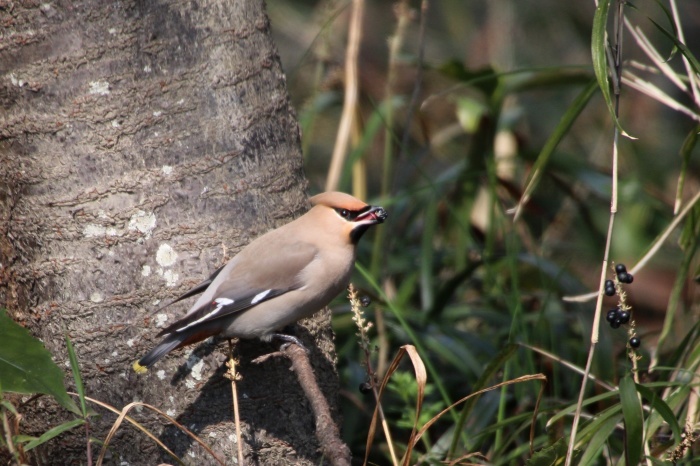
{"x": 684, "y": 50}
{"x": 671, "y": 23}
{"x": 663, "y": 409}
{"x": 26, "y": 366}
{"x": 51, "y": 433}
{"x": 685, "y": 152}
{"x": 585, "y": 434}
{"x": 603, "y": 428}
{"x": 75, "y": 367}
{"x": 469, "y": 113}
{"x": 376, "y": 122}
{"x": 9, "y": 406}
{"x": 485, "y": 79}
{"x": 569, "y": 410}
{"x": 546, "y": 78}
{"x": 600, "y": 59}
{"x": 21, "y": 438}
{"x": 634, "y": 420}
{"x": 549, "y": 456}
{"x": 560, "y": 131}
{"x": 497, "y": 362}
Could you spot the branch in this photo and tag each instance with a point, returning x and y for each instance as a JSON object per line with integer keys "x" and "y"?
{"x": 327, "y": 432}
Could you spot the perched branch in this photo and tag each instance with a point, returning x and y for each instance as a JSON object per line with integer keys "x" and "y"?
{"x": 327, "y": 433}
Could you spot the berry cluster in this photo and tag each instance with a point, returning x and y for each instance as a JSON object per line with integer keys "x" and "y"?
{"x": 617, "y": 317}
{"x": 621, "y": 314}
{"x": 622, "y": 276}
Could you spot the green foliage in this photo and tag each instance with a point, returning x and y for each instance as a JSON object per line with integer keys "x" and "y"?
{"x": 26, "y": 366}
{"x": 403, "y": 385}
{"x": 599, "y": 51}
{"x": 51, "y": 433}
{"x": 549, "y": 456}
{"x": 479, "y": 292}
{"x": 634, "y": 420}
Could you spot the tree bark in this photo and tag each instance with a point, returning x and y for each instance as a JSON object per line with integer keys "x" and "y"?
{"x": 142, "y": 143}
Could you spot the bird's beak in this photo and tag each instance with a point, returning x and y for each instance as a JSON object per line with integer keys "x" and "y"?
{"x": 372, "y": 216}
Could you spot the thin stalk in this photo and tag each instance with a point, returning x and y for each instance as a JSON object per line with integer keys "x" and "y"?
{"x": 403, "y": 14}
{"x": 413, "y": 338}
{"x": 363, "y": 328}
{"x": 418, "y": 81}
{"x": 87, "y": 439}
{"x": 616, "y": 82}
{"x": 692, "y": 77}
{"x": 233, "y": 375}
{"x": 352, "y": 84}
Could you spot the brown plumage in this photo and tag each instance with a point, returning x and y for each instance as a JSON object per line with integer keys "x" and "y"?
{"x": 282, "y": 276}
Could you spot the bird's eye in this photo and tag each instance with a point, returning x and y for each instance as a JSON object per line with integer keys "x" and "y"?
{"x": 344, "y": 213}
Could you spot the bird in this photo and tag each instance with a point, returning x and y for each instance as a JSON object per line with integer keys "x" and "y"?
{"x": 279, "y": 278}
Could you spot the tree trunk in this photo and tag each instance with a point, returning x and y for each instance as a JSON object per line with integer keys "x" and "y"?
{"x": 142, "y": 143}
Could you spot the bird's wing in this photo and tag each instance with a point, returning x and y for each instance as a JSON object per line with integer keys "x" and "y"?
{"x": 247, "y": 285}
{"x": 199, "y": 288}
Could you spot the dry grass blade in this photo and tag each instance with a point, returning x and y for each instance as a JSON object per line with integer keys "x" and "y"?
{"x": 351, "y": 96}
{"x": 233, "y": 375}
{"x": 524, "y": 378}
{"x": 653, "y": 55}
{"x": 650, "y": 90}
{"x": 458, "y": 461}
{"x": 650, "y": 253}
{"x": 421, "y": 379}
{"x": 123, "y": 415}
{"x": 692, "y": 76}
{"x": 567, "y": 364}
{"x": 133, "y": 422}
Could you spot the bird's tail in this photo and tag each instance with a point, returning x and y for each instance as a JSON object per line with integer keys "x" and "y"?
{"x": 168, "y": 344}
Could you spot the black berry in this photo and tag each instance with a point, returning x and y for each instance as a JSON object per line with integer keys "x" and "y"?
{"x": 365, "y": 388}
{"x": 615, "y": 323}
{"x": 630, "y": 278}
{"x": 365, "y": 300}
{"x": 612, "y": 315}
{"x": 624, "y": 316}
{"x": 624, "y": 277}
{"x": 620, "y": 268}
{"x": 635, "y": 342}
{"x": 609, "y": 291}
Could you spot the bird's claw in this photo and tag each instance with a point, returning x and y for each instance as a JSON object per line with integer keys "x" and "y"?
{"x": 288, "y": 340}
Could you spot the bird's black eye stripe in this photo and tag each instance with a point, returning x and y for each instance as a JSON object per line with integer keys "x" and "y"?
{"x": 346, "y": 214}
{"x": 349, "y": 214}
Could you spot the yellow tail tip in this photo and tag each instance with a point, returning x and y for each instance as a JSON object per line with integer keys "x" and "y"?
{"x": 139, "y": 369}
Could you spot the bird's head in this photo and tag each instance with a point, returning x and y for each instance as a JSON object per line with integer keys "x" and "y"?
{"x": 347, "y": 213}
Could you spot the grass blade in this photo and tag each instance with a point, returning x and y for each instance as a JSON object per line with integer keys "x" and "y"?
{"x": 684, "y": 49}
{"x": 602, "y": 432}
{"x": 53, "y": 432}
{"x": 663, "y": 409}
{"x": 75, "y": 367}
{"x": 557, "y": 135}
{"x": 600, "y": 59}
{"x": 634, "y": 420}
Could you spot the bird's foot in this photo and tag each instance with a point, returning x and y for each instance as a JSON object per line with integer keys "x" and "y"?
{"x": 288, "y": 340}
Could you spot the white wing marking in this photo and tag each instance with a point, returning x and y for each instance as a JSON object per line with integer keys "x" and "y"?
{"x": 221, "y": 303}
{"x": 260, "y": 296}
